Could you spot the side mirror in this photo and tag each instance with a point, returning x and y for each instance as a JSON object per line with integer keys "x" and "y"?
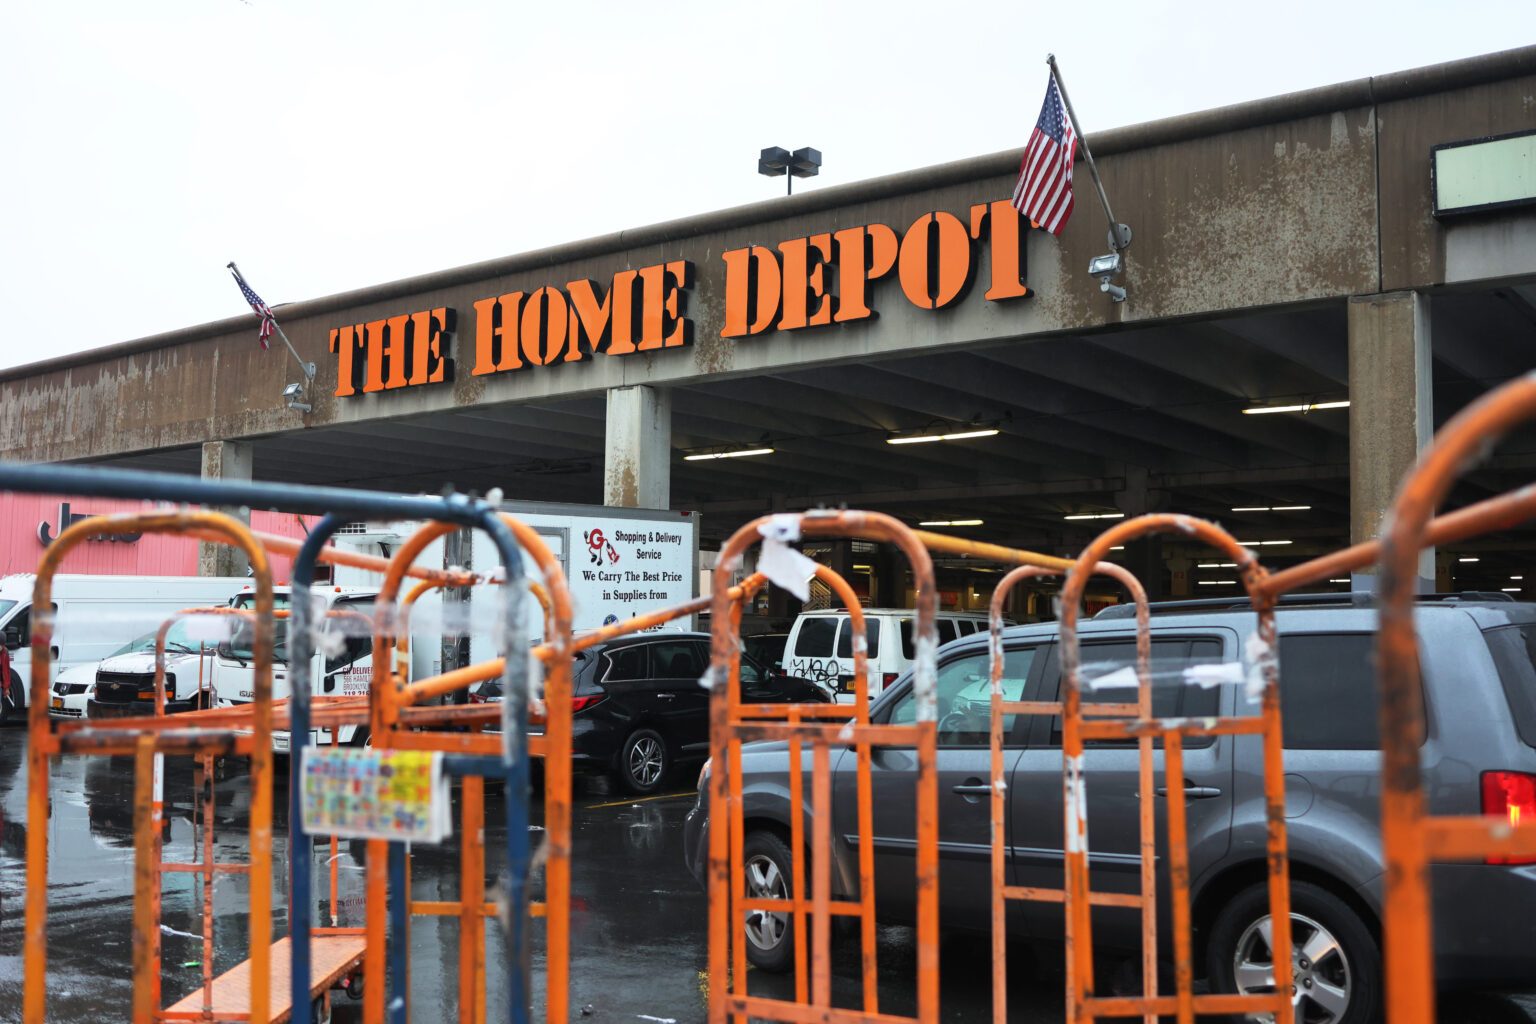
{"x": 12, "y": 637}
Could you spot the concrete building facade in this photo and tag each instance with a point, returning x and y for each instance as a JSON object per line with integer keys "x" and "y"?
{"x": 1289, "y": 251}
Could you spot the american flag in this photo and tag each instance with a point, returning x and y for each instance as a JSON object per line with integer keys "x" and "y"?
{"x": 1044, "y": 191}
{"x": 268, "y": 324}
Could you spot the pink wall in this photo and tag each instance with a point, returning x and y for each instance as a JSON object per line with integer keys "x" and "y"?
{"x": 150, "y": 555}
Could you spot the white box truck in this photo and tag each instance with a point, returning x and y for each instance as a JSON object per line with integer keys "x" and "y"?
{"x": 93, "y": 617}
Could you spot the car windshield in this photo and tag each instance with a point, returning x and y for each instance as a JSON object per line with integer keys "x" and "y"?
{"x": 178, "y": 640}
{"x": 5, "y": 607}
{"x": 245, "y": 634}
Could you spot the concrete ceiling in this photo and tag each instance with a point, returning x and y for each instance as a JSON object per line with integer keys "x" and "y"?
{"x": 1083, "y": 421}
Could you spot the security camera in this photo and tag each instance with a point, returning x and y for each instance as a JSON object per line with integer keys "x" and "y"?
{"x": 293, "y": 390}
{"x": 1104, "y": 268}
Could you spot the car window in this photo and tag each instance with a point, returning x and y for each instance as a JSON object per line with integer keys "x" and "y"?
{"x": 1514, "y": 653}
{"x": 964, "y": 697}
{"x": 816, "y": 636}
{"x": 1328, "y": 692}
{"x": 677, "y": 659}
{"x": 871, "y": 638}
{"x": 946, "y": 630}
{"x": 965, "y": 626}
{"x": 22, "y": 624}
{"x": 908, "y": 650}
{"x": 357, "y": 635}
{"x": 624, "y": 664}
{"x": 1172, "y": 695}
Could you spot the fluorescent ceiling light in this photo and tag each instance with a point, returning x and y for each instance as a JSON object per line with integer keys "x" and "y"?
{"x": 1305, "y": 407}
{"x": 1217, "y": 565}
{"x": 951, "y": 522}
{"x": 1118, "y": 547}
{"x": 1510, "y": 590}
{"x": 728, "y": 455}
{"x": 1289, "y": 508}
{"x": 1469, "y": 559}
{"x": 1252, "y": 508}
{"x": 1263, "y": 543}
{"x": 925, "y": 438}
{"x": 1517, "y": 577}
{"x": 1097, "y": 515}
{"x": 1339, "y": 581}
{"x": 1217, "y": 583}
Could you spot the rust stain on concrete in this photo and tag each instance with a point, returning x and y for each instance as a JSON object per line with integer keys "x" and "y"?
{"x": 713, "y": 354}
{"x": 621, "y": 487}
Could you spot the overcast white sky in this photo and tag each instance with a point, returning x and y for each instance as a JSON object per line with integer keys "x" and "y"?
{"x": 332, "y": 144}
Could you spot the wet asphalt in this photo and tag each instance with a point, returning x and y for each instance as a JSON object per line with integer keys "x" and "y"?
{"x": 638, "y": 921}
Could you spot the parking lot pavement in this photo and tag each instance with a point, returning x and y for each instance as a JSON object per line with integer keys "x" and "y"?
{"x": 638, "y": 922}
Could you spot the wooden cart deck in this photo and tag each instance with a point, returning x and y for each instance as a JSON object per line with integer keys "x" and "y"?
{"x": 331, "y": 958}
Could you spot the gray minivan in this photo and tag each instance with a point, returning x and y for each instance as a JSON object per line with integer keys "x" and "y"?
{"x": 1479, "y": 755}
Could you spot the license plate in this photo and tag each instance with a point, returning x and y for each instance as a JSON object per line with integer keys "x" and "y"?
{"x": 58, "y": 702}
{"x": 279, "y": 741}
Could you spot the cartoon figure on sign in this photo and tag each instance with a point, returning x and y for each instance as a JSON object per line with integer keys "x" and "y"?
{"x": 598, "y": 546}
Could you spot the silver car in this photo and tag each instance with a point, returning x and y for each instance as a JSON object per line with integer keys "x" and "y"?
{"x": 1479, "y": 756}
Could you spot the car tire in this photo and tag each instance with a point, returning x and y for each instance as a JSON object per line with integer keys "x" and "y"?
{"x": 1337, "y": 961}
{"x": 643, "y": 762}
{"x": 12, "y": 706}
{"x": 767, "y": 868}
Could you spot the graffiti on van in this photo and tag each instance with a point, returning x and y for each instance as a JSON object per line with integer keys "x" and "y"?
{"x": 823, "y": 671}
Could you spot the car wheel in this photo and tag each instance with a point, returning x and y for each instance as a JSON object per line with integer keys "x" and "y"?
{"x": 770, "y": 936}
{"x": 1335, "y": 959}
{"x": 644, "y": 761}
{"x": 11, "y": 700}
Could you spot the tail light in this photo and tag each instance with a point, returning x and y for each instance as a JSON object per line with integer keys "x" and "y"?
{"x": 582, "y": 703}
{"x": 887, "y": 679}
{"x": 1510, "y": 795}
{"x": 475, "y": 697}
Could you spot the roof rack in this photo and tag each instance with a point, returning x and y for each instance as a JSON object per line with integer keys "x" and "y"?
{"x": 1349, "y": 598}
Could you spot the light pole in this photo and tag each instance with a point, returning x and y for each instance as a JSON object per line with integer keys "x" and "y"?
{"x": 802, "y": 163}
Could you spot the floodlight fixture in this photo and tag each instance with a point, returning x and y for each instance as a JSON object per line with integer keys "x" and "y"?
{"x": 804, "y": 162}
{"x": 294, "y": 392}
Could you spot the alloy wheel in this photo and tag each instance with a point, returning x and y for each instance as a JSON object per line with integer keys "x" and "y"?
{"x": 1321, "y": 976}
{"x": 765, "y": 929}
{"x": 646, "y": 758}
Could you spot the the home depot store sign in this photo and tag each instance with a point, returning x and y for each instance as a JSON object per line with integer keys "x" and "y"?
{"x": 805, "y": 282}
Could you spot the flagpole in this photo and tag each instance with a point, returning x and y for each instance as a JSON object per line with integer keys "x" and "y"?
{"x": 1119, "y": 234}
{"x": 308, "y": 368}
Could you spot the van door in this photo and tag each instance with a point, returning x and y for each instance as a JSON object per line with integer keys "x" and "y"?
{"x": 811, "y": 649}
{"x": 964, "y": 772}
{"x": 1112, "y": 771}
{"x": 18, "y": 637}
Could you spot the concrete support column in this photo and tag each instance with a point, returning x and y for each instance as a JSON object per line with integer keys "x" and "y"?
{"x": 637, "y": 471}
{"x": 1391, "y": 410}
{"x": 1144, "y": 555}
{"x": 232, "y": 461}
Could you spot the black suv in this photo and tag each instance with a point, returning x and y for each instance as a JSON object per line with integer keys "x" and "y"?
{"x": 638, "y": 708}
{"x": 1479, "y": 756}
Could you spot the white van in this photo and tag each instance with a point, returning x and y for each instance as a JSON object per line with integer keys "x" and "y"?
{"x": 343, "y": 659}
{"x": 124, "y": 684}
{"x": 820, "y": 645}
{"x": 95, "y": 616}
